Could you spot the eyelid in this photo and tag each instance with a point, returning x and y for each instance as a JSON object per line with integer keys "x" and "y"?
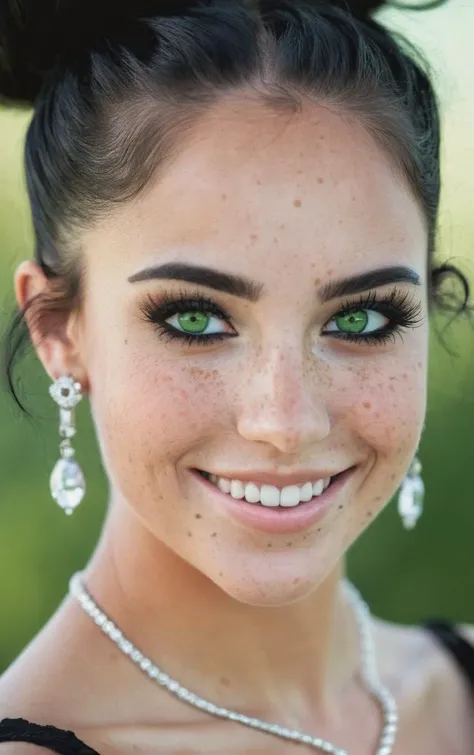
{"x": 401, "y": 308}
{"x": 159, "y": 307}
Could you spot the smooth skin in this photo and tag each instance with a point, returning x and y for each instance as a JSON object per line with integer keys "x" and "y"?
{"x": 255, "y": 622}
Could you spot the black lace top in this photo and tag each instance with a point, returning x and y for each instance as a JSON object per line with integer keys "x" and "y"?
{"x": 66, "y": 743}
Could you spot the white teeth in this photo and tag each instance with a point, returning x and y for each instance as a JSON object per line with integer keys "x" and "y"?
{"x": 306, "y": 492}
{"x": 269, "y": 496}
{"x": 318, "y": 487}
{"x": 237, "y": 489}
{"x": 290, "y": 496}
{"x": 252, "y": 493}
{"x": 223, "y": 484}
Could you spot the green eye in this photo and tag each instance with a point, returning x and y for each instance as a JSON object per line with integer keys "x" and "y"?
{"x": 353, "y": 322}
{"x": 193, "y": 322}
{"x": 358, "y": 322}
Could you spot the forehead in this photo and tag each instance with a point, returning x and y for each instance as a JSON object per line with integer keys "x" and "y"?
{"x": 247, "y": 177}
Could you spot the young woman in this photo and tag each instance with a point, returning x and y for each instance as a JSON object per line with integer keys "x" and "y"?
{"x": 235, "y": 208}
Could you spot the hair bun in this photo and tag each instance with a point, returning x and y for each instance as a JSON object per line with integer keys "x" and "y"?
{"x": 23, "y": 47}
{"x": 35, "y": 35}
{"x": 367, "y": 7}
{"x": 364, "y": 7}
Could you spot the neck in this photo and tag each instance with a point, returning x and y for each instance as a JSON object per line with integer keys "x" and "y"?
{"x": 247, "y": 658}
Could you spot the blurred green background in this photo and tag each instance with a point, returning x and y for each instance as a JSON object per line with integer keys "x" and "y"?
{"x": 405, "y": 576}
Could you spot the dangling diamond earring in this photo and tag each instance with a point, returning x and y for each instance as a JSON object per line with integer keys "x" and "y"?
{"x": 410, "y": 498}
{"x": 67, "y": 480}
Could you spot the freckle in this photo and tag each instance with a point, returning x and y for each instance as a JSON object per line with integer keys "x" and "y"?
{"x": 269, "y": 545}
{"x": 377, "y": 415}
{"x": 317, "y": 281}
{"x": 224, "y": 196}
{"x": 297, "y": 203}
{"x": 369, "y": 514}
{"x": 221, "y": 574}
{"x": 282, "y": 226}
{"x": 288, "y": 545}
{"x": 320, "y": 180}
{"x": 296, "y": 581}
{"x": 126, "y": 341}
{"x": 225, "y": 681}
{"x": 367, "y": 404}
{"x": 190, "y": 534}
{"x": 420, "y": 364}
{"x": 392, "y": 477}
{"x": 214, "y": 534}
{"x": 330, "y": 271}
{"x": 198, "y": 516}
{"x": 253, "y": 237}
{"x": 259, "y": 183}
{"x": 341, "y": 506}
{"x": 319, "y": 529}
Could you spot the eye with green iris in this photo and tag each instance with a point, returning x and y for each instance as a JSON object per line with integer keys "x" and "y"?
{"x": 193, "y": 322}
{"x": 357, "y": 322}
{"x": 193, "y": 319}
{"x": 353, "y": 322}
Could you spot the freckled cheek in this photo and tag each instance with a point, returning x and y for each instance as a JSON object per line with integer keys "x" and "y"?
{"x": 157, "y": 412}
{"x": 385, "y": 407}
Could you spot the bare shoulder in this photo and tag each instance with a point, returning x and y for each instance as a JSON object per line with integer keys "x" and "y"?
{"x": 431, "y": 688}
{"x": 54, "y": 673}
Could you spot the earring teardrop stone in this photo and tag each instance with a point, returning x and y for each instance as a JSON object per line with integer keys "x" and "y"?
{"x": 68, "y": 485}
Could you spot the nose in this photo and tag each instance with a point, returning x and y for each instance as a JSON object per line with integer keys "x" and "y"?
{"x": 282, "y": 406}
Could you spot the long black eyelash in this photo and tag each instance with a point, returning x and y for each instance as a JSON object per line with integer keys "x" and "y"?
{"x": 398, "y": 306}
{"x": 403, "y": 311}
{"x": 159, "y": 310}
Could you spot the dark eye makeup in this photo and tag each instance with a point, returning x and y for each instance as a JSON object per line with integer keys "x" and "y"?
{"x": 401, "y": 310}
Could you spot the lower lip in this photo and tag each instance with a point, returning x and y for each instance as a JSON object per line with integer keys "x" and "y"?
{"x": 279, "y": 520}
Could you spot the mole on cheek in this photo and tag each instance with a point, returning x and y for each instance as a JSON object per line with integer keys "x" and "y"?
{"x": 367, "y": 404}
{"x": 297, "y": 203}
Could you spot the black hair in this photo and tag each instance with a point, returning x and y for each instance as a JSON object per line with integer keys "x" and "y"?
{"x": 115, "y": 85}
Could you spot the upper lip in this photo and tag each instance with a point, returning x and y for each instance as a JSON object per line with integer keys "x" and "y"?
{"x": 278, "y": 480}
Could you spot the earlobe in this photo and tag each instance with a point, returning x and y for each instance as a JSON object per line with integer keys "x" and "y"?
{"x": 48, "y": 318}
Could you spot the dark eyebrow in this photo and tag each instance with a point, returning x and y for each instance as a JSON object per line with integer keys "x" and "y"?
{"x": 357, "y": 284}
{"x": 245, "y": 288}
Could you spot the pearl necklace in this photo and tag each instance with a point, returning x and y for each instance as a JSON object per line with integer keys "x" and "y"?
{"x": 368, "y": 672}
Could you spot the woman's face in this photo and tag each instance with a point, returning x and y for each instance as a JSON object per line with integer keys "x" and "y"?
{"x": 295, "y": 376}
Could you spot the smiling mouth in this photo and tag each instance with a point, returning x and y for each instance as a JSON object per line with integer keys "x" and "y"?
{"x": 270, "y": 496}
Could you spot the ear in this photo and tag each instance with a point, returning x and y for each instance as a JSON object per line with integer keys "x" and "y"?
{"x": 54, "y": 326}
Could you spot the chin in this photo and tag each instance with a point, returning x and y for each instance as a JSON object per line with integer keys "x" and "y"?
{"x": 276, "y": 583}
